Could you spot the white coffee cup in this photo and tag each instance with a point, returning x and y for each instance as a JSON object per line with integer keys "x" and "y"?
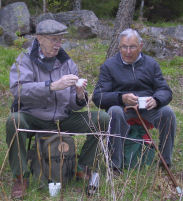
{"x": 94, "y": 179}
{"x": 93, "y": 183}
{"x": 142, "y": 102}
{"x": 80, "y": 82}
{"x": 54, "y": 189}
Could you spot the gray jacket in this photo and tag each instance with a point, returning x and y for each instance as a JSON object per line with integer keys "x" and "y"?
{"x": 28, "y": 82}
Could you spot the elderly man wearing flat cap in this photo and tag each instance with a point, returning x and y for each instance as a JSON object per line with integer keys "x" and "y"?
{"x": 43, "y": 83}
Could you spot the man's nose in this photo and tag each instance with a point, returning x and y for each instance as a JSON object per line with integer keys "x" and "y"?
{"x": 58, "y": 44}
{"x": 128, "y": 50}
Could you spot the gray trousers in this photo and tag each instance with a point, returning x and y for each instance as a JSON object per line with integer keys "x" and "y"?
{"x": 162, "y": 119}
{"x": 78, "y": 122}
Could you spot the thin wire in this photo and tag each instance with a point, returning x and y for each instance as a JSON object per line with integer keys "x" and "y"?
{"x": 78, "y": 134}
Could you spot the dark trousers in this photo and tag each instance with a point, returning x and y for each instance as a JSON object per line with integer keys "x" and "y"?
{"x": 162, "y": 118}
{"x": 78, "y": 122}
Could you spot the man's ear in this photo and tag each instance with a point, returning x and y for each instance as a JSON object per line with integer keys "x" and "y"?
{"x": 141, "y": 46}
{"x": 39, "y": 38}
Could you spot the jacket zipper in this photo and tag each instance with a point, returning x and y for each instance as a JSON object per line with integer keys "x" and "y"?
{"x": 133, "y": 70}
{"x": 55, "y": 99}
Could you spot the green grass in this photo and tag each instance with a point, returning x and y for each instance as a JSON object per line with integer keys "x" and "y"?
{"x": 172, "y": 67}
{"x": 7, "y": 57}
{"x": 147, "y": 184}
{"x": 173, "y": 71}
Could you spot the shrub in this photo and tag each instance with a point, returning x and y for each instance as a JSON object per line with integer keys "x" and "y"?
{"x": 103, "y": 8}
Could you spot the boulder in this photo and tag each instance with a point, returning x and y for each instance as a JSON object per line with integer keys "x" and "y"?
{"x": 83, "y": 20}
{"x": 105, "y": 29}
{"x": 9, "y": 38}
{"x": 35, "y": 20}
{"x": 162, "y": 47}
{"x": 15, "y": 17}
{"x": 163, "y": 42}
{"x": 68, "y": 45}
{"x": 45, "y": 16}
{"x": 174, "y": 32}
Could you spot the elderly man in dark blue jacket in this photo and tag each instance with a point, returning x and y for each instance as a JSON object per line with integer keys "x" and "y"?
{"x": 125, "y": 77}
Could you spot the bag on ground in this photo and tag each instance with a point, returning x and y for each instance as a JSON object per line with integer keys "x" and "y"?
{"x": 137, "y": 152}
{"x": 51, "y": 152}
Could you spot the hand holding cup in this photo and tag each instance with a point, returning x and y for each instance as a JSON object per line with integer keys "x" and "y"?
{"x": 81, "y": 82}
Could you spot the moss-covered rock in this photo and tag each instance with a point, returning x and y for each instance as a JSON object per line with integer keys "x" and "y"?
{"x": 15, "y": 17}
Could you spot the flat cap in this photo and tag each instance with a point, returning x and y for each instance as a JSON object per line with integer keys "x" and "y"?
{"x": 50, "y": 27}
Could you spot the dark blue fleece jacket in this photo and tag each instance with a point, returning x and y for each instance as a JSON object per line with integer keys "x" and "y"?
{"x": 143, "y": 78}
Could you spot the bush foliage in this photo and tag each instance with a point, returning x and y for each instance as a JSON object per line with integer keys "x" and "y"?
{"x": 160, "y": 10}
{"x": 103, "y": 8}
{"x": 154, "y": 10}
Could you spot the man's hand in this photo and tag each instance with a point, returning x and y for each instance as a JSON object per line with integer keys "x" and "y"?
{"x": 64, "y": 82}
{"x": 151, "y": 103}
{"x": 130, "y": 99}
{"x": 80, "y": 90}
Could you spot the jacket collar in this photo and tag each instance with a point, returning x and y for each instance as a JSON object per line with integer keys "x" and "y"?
{"x": 45, "y": 63}
{"x": 138, "y": 58}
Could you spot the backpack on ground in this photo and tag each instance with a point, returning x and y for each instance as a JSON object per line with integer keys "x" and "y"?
{"x": 47, "y": 156}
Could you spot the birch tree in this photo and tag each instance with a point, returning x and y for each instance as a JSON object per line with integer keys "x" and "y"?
{"x": 141, "y": 10}
{"x": 44, "y": 6}
{"x": 76, "y": 4}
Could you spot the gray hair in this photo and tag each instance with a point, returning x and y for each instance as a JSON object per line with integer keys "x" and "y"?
{"x": 129, "y": 33}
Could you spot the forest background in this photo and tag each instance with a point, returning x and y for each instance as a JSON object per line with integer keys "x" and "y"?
{"x": 147, "y": 184}
{"x": 153, "y": 11}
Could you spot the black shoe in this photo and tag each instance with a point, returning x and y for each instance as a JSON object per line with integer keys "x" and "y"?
{"x": 117, "y": 173}
{"x": 93, "y": 184}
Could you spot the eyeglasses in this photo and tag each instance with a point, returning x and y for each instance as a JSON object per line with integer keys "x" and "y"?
{"x": 125, "y": 48}
{"x": 54, "y": 39}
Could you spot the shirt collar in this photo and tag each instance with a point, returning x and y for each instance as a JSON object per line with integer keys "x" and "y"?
{"x": 138, "y": 58}
{"x": 41, "y": 55}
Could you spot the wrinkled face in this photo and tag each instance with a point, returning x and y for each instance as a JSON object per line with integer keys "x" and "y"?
{"x": 130, "y": 48}
{"x": 50, "y": 45}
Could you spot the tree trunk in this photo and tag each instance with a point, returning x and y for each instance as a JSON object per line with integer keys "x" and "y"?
{"x": 44, "y": 6}
{"x": 76, "y": 4}
{"x": 141, "y": 10}
{"x": 0, "y": 4}
{"x": 124, "y": 19}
